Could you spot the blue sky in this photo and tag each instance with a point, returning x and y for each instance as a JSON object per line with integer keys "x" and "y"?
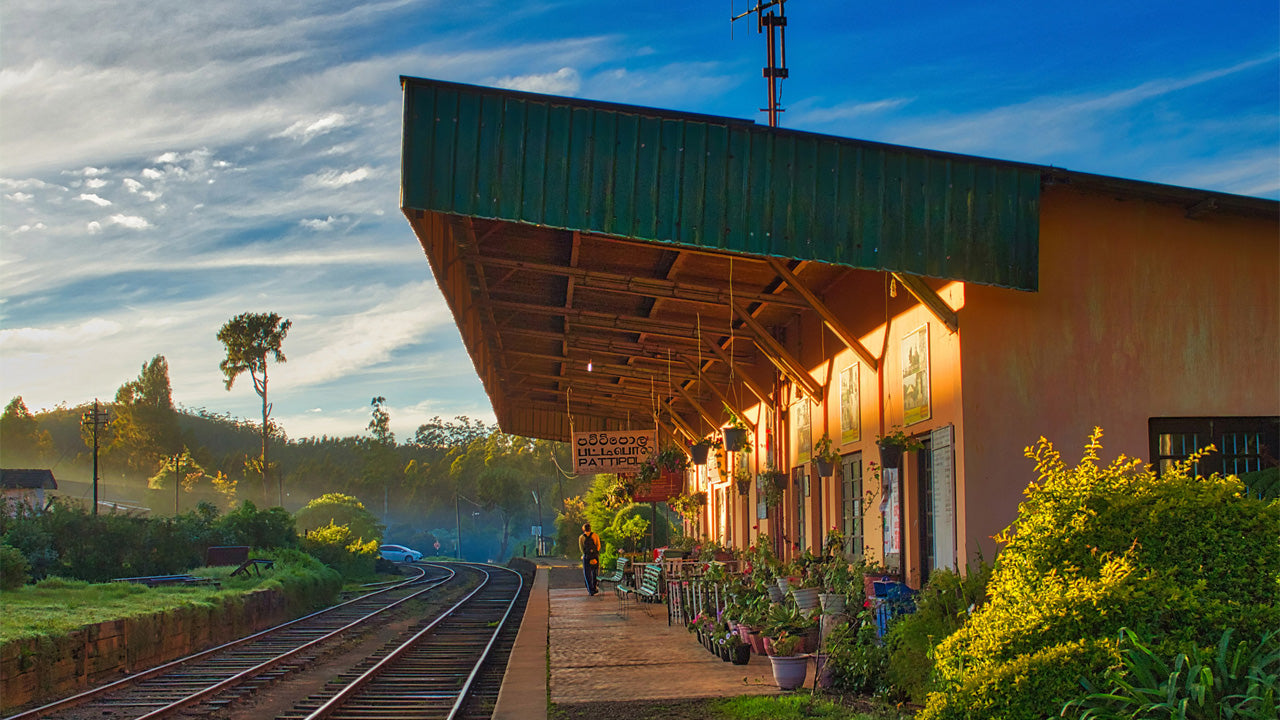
{"x": 165, "y": 165}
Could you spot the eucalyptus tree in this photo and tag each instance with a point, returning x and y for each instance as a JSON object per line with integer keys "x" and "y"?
{"x": 249, "y": 339}
{"x": 144, "y": 429}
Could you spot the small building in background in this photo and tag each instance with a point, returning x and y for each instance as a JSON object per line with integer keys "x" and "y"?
{"x": 27, "y": 486}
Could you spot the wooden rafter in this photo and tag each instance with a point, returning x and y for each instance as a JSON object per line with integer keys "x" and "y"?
{"x": 828, "y": 318}
{"x": 702, "y": 378}
{"x": 930, "y": 299}
{"x": 752, "y": 385}
{"x": 697, "y": 406}
{"x": 778, "y": 355}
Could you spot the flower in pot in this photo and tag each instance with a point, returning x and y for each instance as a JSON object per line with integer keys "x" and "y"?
{"x": 774, "y": 483}
{"x": 742, "y": 479}
{"x": 789, "y": 667}
{"x": 893, "y": 445}
{"x": 735, "y": 436}
{"x": 825, "y": 456}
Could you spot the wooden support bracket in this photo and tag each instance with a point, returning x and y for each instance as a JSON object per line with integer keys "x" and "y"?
{"x": 930, "y": 299}
{"x": 779, "y": 356}
{"x": 828, "y": 318}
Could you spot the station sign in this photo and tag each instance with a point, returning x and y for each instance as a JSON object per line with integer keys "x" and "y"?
{"x": 612, "y": 451}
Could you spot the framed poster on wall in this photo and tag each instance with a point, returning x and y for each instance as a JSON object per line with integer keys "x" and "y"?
{"x": 915, "y": 376}
{"x": 850, "y": 412}
{"x": 804, "y": 434}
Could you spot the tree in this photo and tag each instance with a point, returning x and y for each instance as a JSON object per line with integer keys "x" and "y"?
{"x": 144, "y": 429}
{"x": 340, "y": 509}
{"x": 381, "y": 464}
{"x": 249, "y": 338}
{"x": 21, "y": 438}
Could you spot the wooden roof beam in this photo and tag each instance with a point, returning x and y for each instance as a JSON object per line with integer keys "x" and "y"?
{"x": 697, "y": 406}
{"x": 930, "y": 299}
{"x": 761, "y": 394}
{"x": 778, "y": 355}
{"x": 733, "y": 407}
{"x": 828, "y": 318}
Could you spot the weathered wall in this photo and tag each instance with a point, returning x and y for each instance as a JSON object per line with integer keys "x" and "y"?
{"x": 42, "y": 670}
{"x": 1141, "y": 313}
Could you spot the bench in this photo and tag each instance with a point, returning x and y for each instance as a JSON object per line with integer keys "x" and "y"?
{"x": 619, "y": 570}
{"x": 162, "y": 580}
{"x": 236, "y": 555}
{"x": 646, "y": 587}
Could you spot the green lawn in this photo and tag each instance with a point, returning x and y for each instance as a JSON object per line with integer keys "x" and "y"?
{"x": 56, "y": 606}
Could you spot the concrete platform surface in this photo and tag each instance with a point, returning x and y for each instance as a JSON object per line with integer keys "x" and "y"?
{"x": 598, "y": 649}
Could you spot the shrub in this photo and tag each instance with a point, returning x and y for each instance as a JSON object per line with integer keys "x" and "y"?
{"x": 942, "y": 608}
{"x": 337, "y": 547}
{"x": 1095, "y": 548}
{"x": 270, "y": 528}
{"x": 306, "y": 582}
{"x": 13, "y": 568}
{"x": 858, "y": 662}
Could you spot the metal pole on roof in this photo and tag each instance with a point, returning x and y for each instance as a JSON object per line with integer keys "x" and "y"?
{"x": 775, "y": 47}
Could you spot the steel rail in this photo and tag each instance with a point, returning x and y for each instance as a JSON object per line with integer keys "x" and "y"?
{"x": 348, "y": 693}
{"x": 165, "y": 668}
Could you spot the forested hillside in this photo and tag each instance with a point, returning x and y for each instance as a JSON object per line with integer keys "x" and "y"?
{"x": 452, "y": 475}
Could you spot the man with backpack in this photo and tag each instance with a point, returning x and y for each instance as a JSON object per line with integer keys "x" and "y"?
{"x": 589, "y": 543}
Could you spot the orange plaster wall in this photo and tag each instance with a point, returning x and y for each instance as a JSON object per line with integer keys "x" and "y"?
{"x": 1141, "y": 313}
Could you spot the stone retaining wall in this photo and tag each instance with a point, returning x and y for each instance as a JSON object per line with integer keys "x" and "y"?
{"x": 45, "y": 669}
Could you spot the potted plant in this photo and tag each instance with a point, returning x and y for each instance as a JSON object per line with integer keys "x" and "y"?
{"x": 893, "y": 444}
{"x": 825, "y": 456}
{"x": 698, "y": 450}
{"x": 735, "y": 436}
{"x": 739, "y": 650}
{"x": 790, "y": 668}
{"x": 773, "y": 482}
{"x": 742, "y": 479}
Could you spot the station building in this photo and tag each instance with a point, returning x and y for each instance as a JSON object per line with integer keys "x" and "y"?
{"x": 613, "y": 267}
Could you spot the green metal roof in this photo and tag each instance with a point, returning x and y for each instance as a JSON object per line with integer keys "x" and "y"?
{"x": 717, "y": 182}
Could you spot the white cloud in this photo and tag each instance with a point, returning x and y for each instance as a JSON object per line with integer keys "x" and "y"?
{"x": 95, "y": 183}
{"x": 29, "y": 228}
{"x": 564, "y": 81}
{"x": 133, "y": 222}
{"x": 152, "y": 174}
{"x": 20, "y": 197}
{"x": 94, "y": 227}
{"x": 56, "y": 339}
{"x": 305, "y": 130}
{"x": 337, "y": 179}
{"x": 321, "y": 225}
{"x": 808, "y": 114}
{"x": 90, "y": 197}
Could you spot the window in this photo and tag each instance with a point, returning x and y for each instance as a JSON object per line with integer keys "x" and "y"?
{"x": 851, "y": 487}
{"x": 1241, "y": 444}
{"x": 801, "y": 479}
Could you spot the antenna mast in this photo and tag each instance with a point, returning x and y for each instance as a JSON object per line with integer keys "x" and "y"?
{"x": 776, "y": 42}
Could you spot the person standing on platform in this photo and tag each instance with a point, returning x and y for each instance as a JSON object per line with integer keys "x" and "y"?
{"x": 589, "y": 543}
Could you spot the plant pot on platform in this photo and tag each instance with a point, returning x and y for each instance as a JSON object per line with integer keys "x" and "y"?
{"x": 832, "y": 603}
{"x": 790, "y": 672}
{"x": 741, "y": 655}
{"x": 806, "y": 598}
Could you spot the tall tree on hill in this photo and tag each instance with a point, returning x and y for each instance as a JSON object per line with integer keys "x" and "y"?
{"x": 249, "y": 338}
{"x": 21, "y": 439}
{"x": 144, "y": 429}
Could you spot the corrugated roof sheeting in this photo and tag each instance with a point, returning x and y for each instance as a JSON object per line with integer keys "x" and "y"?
{"x": 717, "y": 183}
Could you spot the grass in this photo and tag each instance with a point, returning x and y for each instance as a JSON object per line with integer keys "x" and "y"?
{"x": 796, "y": 706}
{"x": 56, "y": 606}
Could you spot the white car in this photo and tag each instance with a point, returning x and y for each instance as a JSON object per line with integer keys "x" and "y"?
{"x": 399, "y": 553}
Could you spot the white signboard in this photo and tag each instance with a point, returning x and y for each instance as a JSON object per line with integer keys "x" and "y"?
{"x": 612, "y": 451}
{"x": 891, "y": 510}
{"x": 944, "y": 499}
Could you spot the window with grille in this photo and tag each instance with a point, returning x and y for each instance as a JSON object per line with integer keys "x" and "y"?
{"x": 851, "y": 489}
{"x": 1241, "y": 444}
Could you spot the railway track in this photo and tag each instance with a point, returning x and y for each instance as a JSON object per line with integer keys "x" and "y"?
{"x": 220, "y": 676}
{"x": 435, "y": 673}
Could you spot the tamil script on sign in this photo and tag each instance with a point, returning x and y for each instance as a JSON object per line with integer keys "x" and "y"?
{"x": 612, "y": 451}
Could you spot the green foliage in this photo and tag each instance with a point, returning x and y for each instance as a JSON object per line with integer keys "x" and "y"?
{"x": 24, "y": 442}
{"x": 569, "y": 526}
{"x": 1095, "y": 548}
{"x": 857, "y": 660}
{"x": 792, "y": 706}
{"x": 1031, "y": 686}
{"x": 1235, "y": 682}
{"x": 1263, "y": 484}
{"x": 307, "y": 583}
{"x": 13, "y": 568}
{"x": 942, "y": 608}
{"x": 270, "y": 528}
{"x": 339, "y": 509}
{"x": 341, "y": 549}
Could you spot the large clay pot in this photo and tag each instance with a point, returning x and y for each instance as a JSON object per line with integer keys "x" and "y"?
{"x": 790, "y": 672}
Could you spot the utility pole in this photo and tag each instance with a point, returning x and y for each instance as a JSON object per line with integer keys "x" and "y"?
{"x": 95, "y": 420}
{"x": 775, "y": 25}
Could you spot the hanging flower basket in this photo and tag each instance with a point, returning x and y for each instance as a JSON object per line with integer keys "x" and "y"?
{"x": 890, "y": 456}
{"x": 698, "y": 452}
{"x": 825, "y": 467}
{"x": 735, "y": 439}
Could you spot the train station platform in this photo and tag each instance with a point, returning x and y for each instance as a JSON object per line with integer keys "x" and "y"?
{"x": 574, "y": 648}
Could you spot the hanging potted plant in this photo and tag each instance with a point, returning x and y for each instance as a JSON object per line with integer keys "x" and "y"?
{"x": 824, "y": 456}
{"x": 735, "y": 436}
{"x": 742, "y": 479}
{"x": 893, "y": 445}
{"x": 773, "y": 483}
{"x": 699, "y": 450}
